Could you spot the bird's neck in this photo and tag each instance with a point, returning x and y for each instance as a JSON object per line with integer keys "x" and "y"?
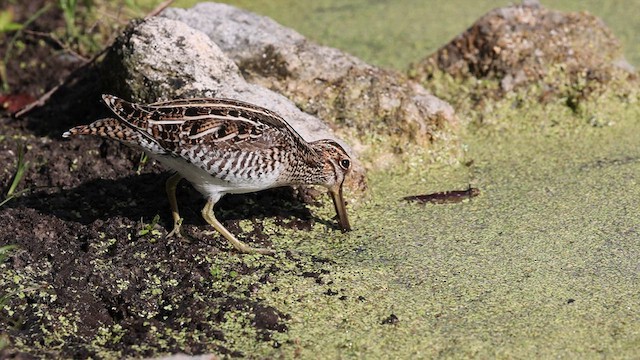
{"x": 308, "y": 167}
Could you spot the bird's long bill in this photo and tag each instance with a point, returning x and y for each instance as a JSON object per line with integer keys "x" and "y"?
{"x": 341, "y": 210}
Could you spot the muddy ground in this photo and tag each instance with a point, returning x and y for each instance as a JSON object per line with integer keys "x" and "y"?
{"x": 93, "y": 275}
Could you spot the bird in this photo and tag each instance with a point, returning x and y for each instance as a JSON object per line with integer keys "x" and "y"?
{"x": 224, "y": 146}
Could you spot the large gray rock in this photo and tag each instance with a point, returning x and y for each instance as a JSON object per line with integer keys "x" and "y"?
{"x": 161, "y": 59}
{"x": 568, "y": 55}
{"x": 359, "y": 100}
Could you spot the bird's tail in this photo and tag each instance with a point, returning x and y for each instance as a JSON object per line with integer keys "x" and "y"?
{"x": 107, "y": 128}
{"x": 111, "y": 128}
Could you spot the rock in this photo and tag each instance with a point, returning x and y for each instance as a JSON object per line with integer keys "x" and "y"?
{"x": 526, "y": 44}
{"x": 360, "y": 101}
{"x": 160, "y": 59}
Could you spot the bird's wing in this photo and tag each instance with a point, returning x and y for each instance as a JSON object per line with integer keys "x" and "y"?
{"x": 216, "y": 123}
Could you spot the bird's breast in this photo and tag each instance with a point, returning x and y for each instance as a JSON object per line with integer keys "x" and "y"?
{"x": 214, "y": 172}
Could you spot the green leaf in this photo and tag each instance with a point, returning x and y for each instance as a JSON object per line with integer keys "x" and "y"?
{"x": 6, "y": 22}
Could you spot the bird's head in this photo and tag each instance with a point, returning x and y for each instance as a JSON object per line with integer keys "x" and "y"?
{"x": 336, "y": 164}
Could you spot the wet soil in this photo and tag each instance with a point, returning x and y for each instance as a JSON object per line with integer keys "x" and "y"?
{"x": 93, "y": 275}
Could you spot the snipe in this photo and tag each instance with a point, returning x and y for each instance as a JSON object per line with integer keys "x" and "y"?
{"x": 224, "y": 146}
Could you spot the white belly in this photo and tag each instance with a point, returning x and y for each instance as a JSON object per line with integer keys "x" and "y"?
{"x": 211, "y": 186}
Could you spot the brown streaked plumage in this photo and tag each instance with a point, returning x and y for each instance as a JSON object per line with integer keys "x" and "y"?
{"x": 224, "y": 146}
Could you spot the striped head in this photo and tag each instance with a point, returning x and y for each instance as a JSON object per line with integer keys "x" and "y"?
{"x": 336, "y": 165}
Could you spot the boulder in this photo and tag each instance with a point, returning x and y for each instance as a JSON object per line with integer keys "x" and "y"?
{"x": 362, "y": 102}
{"x": 521, "y": 45}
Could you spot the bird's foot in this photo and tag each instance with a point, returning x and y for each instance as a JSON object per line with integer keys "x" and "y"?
{"x": 177, "y": 229}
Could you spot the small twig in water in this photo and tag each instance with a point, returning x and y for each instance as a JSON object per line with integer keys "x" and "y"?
{"x": 445, "y": 197}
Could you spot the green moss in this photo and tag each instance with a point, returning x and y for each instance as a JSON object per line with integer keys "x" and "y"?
{"x": 545, "y": 252}
{"x": 525, "y": 268}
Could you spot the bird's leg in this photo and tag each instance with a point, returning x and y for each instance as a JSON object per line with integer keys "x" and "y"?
{"x": 209, "y": 216}
{"x": 171, "y": 185}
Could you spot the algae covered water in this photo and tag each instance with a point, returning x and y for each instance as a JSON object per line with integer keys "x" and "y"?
{"x": 545, "y": 262}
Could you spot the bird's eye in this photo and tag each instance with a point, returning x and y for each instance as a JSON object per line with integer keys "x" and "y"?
{"x": 345, "y": 163}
